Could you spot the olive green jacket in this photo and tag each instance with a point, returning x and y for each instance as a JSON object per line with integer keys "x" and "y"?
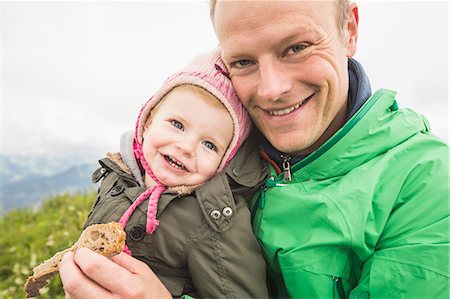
{"x": 204, "y": 245}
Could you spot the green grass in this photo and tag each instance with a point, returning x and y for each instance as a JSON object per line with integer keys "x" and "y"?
{"x": 29, "y": 237}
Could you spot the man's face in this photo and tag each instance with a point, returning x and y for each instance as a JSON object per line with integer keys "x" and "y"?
{"x": 288, "y": 63}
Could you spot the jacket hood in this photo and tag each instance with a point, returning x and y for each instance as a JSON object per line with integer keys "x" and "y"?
{"x": 128, "y": 157}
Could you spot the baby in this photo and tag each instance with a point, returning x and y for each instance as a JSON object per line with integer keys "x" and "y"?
{"x": 180, "y": 198}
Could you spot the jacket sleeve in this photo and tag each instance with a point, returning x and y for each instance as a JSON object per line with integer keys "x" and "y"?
{"x": 231, "y": 262}
{"x": 411, "y": 258}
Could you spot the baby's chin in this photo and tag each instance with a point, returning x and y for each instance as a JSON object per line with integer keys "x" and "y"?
{"x": 170, "y": 182}
{"x": 175, "y": 183}
{"x": 178, "y": 184}
{"x": 183, "y": 189}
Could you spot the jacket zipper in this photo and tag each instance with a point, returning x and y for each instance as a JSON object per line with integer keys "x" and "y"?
{"x": 287, "y": 177}
{"x": 339, "y": 286}
{"x": 257, "y": 202}
{"x": 260, "y": 200}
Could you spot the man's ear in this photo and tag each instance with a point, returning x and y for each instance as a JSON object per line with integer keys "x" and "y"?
{"x": 352, "y": 29}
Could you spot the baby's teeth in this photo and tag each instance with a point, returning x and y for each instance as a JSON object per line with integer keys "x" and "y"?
{"x": 175, "y": 163}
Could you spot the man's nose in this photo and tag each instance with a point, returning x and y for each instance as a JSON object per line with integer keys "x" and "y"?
{"x": 273, "y": 81}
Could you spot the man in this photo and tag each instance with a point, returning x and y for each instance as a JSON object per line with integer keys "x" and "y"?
{"x": 360, "y": 208}
{"x": 357, "y": 200}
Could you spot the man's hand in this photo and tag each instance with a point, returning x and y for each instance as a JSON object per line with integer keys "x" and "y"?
{"x": 87, "y": 274}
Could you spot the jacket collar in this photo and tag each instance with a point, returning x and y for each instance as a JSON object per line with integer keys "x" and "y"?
{"x": 376, "y": 129}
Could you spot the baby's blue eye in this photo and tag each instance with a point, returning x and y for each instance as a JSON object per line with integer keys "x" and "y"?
{"x": 177, "y": 124}
{"x": 209, "y": 145}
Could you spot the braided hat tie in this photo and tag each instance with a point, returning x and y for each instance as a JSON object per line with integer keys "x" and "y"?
{"x": 153, "y": 193}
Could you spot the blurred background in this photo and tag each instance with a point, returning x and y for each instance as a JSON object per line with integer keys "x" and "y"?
{"x": 75, "y": 74}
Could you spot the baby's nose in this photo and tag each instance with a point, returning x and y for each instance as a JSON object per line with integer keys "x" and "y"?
{"x": 187, "y": 147}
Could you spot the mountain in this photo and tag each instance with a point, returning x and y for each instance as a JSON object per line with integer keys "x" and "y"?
{"x": 10, "y": 171}
{"x": 16, "y": 167}
{"x": 27, "y": 183}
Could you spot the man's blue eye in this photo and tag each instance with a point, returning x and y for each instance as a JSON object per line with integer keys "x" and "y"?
{"x": 244, "y": 62}
{"x": 209, "y": 145}
{"x": 240, "y": 64}
{"x": 177, "y": 124}
{"x": 297, "y": 48}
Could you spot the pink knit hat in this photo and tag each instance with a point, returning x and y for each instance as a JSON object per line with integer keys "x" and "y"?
{"x": 209, "y": 72}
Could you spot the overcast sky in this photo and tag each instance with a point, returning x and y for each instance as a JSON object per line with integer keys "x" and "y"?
{"x": 74, "y": 74}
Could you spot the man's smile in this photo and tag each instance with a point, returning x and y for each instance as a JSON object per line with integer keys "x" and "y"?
{"x": 288, "y": 110}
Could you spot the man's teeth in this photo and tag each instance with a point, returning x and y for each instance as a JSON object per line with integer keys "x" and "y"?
{"x": 172, "y": 161}
{"x": 285, "y": 111}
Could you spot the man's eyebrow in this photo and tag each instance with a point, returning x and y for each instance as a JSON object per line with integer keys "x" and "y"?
{"x": 296, "y": 34}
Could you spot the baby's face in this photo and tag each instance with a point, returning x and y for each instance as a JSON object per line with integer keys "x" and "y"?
{"x": 186, "y": 138}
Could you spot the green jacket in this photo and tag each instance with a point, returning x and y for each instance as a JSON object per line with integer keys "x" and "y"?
{"x": 365, "y": 215}
{"x": 193, "y": 251}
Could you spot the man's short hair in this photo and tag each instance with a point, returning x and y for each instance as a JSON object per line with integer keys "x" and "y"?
{"x": 342, "y": 6}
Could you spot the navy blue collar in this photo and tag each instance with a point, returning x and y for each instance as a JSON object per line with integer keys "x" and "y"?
{"x": 359, "y": 91}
